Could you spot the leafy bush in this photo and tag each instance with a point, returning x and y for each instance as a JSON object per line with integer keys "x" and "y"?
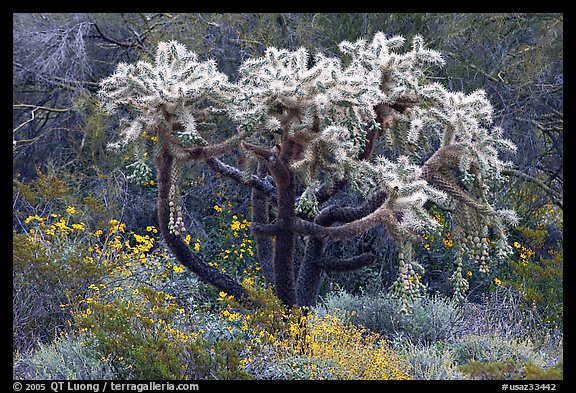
{"x": 328, "y": 348}
{"x": 533, "y": 371}
{"x": 297, "y": 343}
{"x": 359, "y": 353}
{"x": 140, "y": 318}
{"x": 492, "y": 356}
{"x": 508, "y": 369}
{"x": 503, "y": 311}
{"x": 230, "y": 247}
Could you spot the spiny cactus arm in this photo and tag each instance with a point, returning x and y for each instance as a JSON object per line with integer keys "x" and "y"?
{"x": 382, "y": 215}
{"x": 356, "y": 222}
{"x": 439, "y": 170}
{"x": 386, "y": 118}
{"x": 313, "y": 264}
{"x": 269, "y": 230}
{"x": 214, "y": 150}
{"x": 260, "y": 215}
{"x": 333, "y": 264}
{"x": 261, "y": 184}
{"x": 346, "y": 214}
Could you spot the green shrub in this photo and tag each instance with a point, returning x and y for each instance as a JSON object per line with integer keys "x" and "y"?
{"x": 431, "y": 362}
{"x": 230, "y": 247}
{"x": 538, "y": 275}
{"x": 506, "y": 369}
{"x": 51, "y": 266}
{"x": 431, "y": 318}
{"x": 67, "y": 357}
{"x": 488, "y": 348}
{"x": 510, "y": 370}
{"x": 535, "y": 372}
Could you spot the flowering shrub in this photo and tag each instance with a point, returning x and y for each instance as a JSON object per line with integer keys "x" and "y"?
{"x": 308, "y": 345}
{"x": 53, "y": 258}
{"x": 537, "y": 274}
{"x": 139, "y": 319}
{"x": 135, "y": 313}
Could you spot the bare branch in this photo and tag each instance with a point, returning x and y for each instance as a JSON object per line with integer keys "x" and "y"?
{"x": 558, "y": 198}
{"x": 129, "y": 44}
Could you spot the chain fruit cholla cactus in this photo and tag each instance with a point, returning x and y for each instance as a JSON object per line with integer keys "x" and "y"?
{"x": 308, "y": 126}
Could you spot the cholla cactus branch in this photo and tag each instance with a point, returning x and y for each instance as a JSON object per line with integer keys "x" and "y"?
{"x": 333, "y": 264}
{"x": 260, "y": 216}
{"x": 197, "y": 153}
{"x": 263, "y": 185}
{"x": 175, "y": 80}
{"x": 382, "y": 216}
{"x": 311, "y": 268}
{"x": 177, "y": 245}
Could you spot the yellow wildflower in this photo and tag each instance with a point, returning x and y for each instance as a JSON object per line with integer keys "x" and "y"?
{"x": 79, "y": 227}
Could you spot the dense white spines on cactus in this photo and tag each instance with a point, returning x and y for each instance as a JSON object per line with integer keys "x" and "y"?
{"x": 175, "y": 80}
{"x": 408, "y": 192}
{"x": 333, "y": 105}
{"x": 461, "y": 120}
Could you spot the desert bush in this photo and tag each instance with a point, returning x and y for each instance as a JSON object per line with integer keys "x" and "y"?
{"x": 328, "y": 348}
{"x": 52, "y": 265}
{"x": 508, "y": 369}
{"x": 532, "y": 371}
{"x": 67, "y": 357}
{"x": 504, "y": 311}
{"x": 297, "y": 343}
{"x": 140, "y": 317}
{"x": 488, "y": 348}
{"x": 435, "y": 361}
{"x": 431, "y": 318}
{"x": 537, "y": 273}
